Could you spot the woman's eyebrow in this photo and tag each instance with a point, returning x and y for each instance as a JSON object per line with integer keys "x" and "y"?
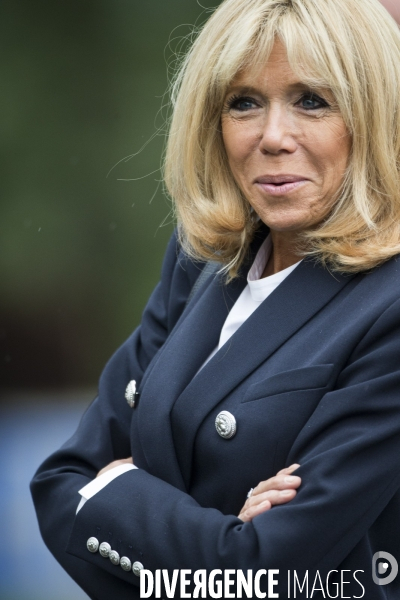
{"x": 242, "y": 89}
{"x": 248, "y": 89}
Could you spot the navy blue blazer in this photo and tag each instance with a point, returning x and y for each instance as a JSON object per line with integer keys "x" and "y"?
{"x": 313, "y": 377}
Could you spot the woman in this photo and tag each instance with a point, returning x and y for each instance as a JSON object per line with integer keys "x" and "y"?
{"x": 283, "y": 162}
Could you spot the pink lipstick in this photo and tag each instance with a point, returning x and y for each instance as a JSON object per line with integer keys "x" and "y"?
{"x": 279, "y": 185}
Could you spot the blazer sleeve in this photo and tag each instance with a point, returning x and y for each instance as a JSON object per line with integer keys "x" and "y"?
{"x": 103, "y": 434}
{"x": 348, "y": 452}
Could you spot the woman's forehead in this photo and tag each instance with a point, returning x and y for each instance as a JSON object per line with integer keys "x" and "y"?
{"x": 275, "y": 65}
{"x": 276, "y": 69}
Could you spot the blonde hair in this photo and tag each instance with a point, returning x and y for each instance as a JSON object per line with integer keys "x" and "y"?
{"x": 350, "y": 46}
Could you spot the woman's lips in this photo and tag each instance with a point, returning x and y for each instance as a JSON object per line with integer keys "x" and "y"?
{"x": 280, "y": 189}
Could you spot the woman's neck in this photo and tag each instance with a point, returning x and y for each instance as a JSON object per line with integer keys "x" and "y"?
{"x": 284, "y": 252}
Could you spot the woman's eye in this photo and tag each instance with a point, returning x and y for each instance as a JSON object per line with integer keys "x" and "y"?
{"x": 312, "y": 102}
{"x": 242, "y": 104}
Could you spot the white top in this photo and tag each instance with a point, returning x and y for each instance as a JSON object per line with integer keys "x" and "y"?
{"x": 255, "y": 292}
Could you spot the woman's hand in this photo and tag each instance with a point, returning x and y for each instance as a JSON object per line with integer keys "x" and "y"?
{"x": 115, "y": 463}
{"x": 271, "y": 492}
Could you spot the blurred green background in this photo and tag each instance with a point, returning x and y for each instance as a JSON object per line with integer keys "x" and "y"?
{"x": 82, "y": 230}
{"x": 82, "y": 86}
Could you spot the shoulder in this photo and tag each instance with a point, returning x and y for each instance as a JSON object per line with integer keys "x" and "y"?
{"x": 382, "y": 284}
{"x": 179, "y": 275}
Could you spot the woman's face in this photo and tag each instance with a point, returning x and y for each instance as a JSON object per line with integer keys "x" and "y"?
{"x": 287, "y": 147}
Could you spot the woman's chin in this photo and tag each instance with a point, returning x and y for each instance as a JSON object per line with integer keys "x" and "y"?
{"x": 288, "y": 225}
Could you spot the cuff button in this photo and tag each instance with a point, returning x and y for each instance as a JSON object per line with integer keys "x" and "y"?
{"x": 125, "y": 563}
{"x": 137, "y": 567}
{"x": 105, "y": 549}
{"x": 114, "y": 557}
{"x": 92, "y": 544}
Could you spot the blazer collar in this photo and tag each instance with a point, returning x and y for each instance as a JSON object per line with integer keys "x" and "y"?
{"x": 174, "y": 385}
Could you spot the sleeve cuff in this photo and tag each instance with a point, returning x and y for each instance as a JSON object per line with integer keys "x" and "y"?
{"x": 97, "y": 484}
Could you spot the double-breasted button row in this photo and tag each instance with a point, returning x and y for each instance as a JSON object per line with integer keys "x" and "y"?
{"x": 225, "y": 422}
{"x": 106, "y": 551}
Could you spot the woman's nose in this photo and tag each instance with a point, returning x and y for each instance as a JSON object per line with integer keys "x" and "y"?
{"x": 278, "y": 133}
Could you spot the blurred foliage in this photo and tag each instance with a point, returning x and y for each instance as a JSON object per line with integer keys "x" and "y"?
{"x": 82, "y": 85}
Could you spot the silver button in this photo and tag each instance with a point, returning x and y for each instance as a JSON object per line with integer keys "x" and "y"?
{"x": 92, "y": 544}
{"x": 137, "y": 567}
{"x": 130, "y": 393}
{"x": 125, "y": 563}
{"x": 114, "y": 557}
{"x": 225, "y": 424}
{"x": 105, "y": 549}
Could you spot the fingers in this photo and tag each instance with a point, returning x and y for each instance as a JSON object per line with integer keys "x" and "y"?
{"x": 282, "y": 481}
{"x": 288, "y": 470}
{"x": 271, "y": 492}
{"x": 248, "y": 514}
{"x": 256, "y": 505}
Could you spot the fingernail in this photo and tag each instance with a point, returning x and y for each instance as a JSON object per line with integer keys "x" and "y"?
{"x": 290, "y": 479}
{"x": 294, "y": 465}
{"x": 286, "y": 492}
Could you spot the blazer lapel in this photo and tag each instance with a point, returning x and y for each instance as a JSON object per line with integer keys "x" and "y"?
{"x": 191, "y": 342}
{"x": 296, "y": 300}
